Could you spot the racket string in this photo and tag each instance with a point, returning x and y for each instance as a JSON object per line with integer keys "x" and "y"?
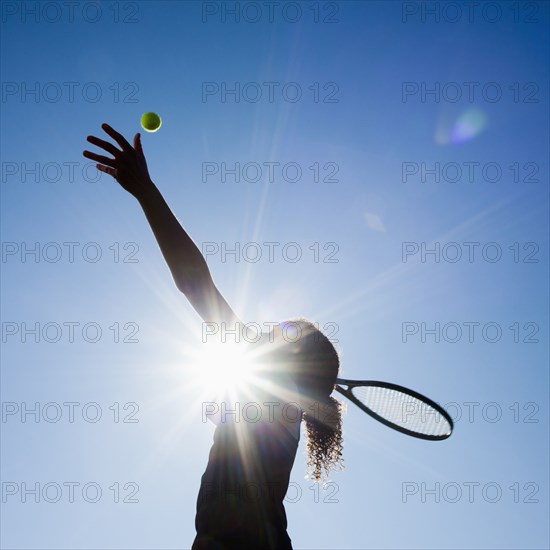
{"x": 403, "y": 410}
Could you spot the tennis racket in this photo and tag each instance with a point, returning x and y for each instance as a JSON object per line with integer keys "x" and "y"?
{"x": 399, "y": 408}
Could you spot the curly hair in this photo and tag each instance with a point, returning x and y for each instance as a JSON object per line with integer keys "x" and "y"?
{"x": 324, "y": 441}
{"x": 317, "y": 365}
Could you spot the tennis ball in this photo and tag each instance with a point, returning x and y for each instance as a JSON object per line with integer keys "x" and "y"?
{"x": 150, "y": 122}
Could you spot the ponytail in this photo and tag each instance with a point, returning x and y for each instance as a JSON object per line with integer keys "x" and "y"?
{"x": 324, "y": 439}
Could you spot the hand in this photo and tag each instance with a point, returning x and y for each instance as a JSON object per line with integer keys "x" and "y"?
{"x": 128, "y": 166}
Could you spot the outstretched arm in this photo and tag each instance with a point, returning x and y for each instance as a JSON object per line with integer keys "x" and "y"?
{"x": 186, "y": 263}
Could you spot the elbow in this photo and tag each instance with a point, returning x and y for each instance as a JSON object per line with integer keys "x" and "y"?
{"x": 185, "y": 286}
{"x": 192, "y": 283}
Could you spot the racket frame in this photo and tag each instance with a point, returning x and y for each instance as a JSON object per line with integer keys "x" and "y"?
{"x": 356, "y": 383}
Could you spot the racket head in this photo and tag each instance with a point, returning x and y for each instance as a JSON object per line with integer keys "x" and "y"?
{"x": 399, "y": 408}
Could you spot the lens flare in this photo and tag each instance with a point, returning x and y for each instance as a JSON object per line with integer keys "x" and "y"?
{"x": 468, "y": 125}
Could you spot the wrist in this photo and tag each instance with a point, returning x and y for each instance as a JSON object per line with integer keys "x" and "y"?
{"x": 147, "y": 192}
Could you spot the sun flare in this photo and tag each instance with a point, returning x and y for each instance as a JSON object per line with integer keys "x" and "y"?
{"x": 225, "y": 368}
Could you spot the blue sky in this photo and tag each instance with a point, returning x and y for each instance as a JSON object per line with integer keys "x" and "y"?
{"x": 430, "y": 132}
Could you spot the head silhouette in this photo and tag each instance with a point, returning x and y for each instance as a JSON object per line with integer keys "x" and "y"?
{"x": 314, "y": 362}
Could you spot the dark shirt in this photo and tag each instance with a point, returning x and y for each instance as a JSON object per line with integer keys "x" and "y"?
{"x": 240, "y": 501}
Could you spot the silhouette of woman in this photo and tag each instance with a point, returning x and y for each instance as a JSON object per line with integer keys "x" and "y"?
{"x": 240, "y": 501}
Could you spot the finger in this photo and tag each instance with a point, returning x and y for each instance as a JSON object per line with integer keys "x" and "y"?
{"x": 109, "y": 147}
{"x": 100, "y": 158}
{"x": 107, "y": 170}
{"x": 120, "y": 139}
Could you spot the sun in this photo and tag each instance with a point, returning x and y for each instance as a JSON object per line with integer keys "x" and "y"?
{"x": 225, "y": 369}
